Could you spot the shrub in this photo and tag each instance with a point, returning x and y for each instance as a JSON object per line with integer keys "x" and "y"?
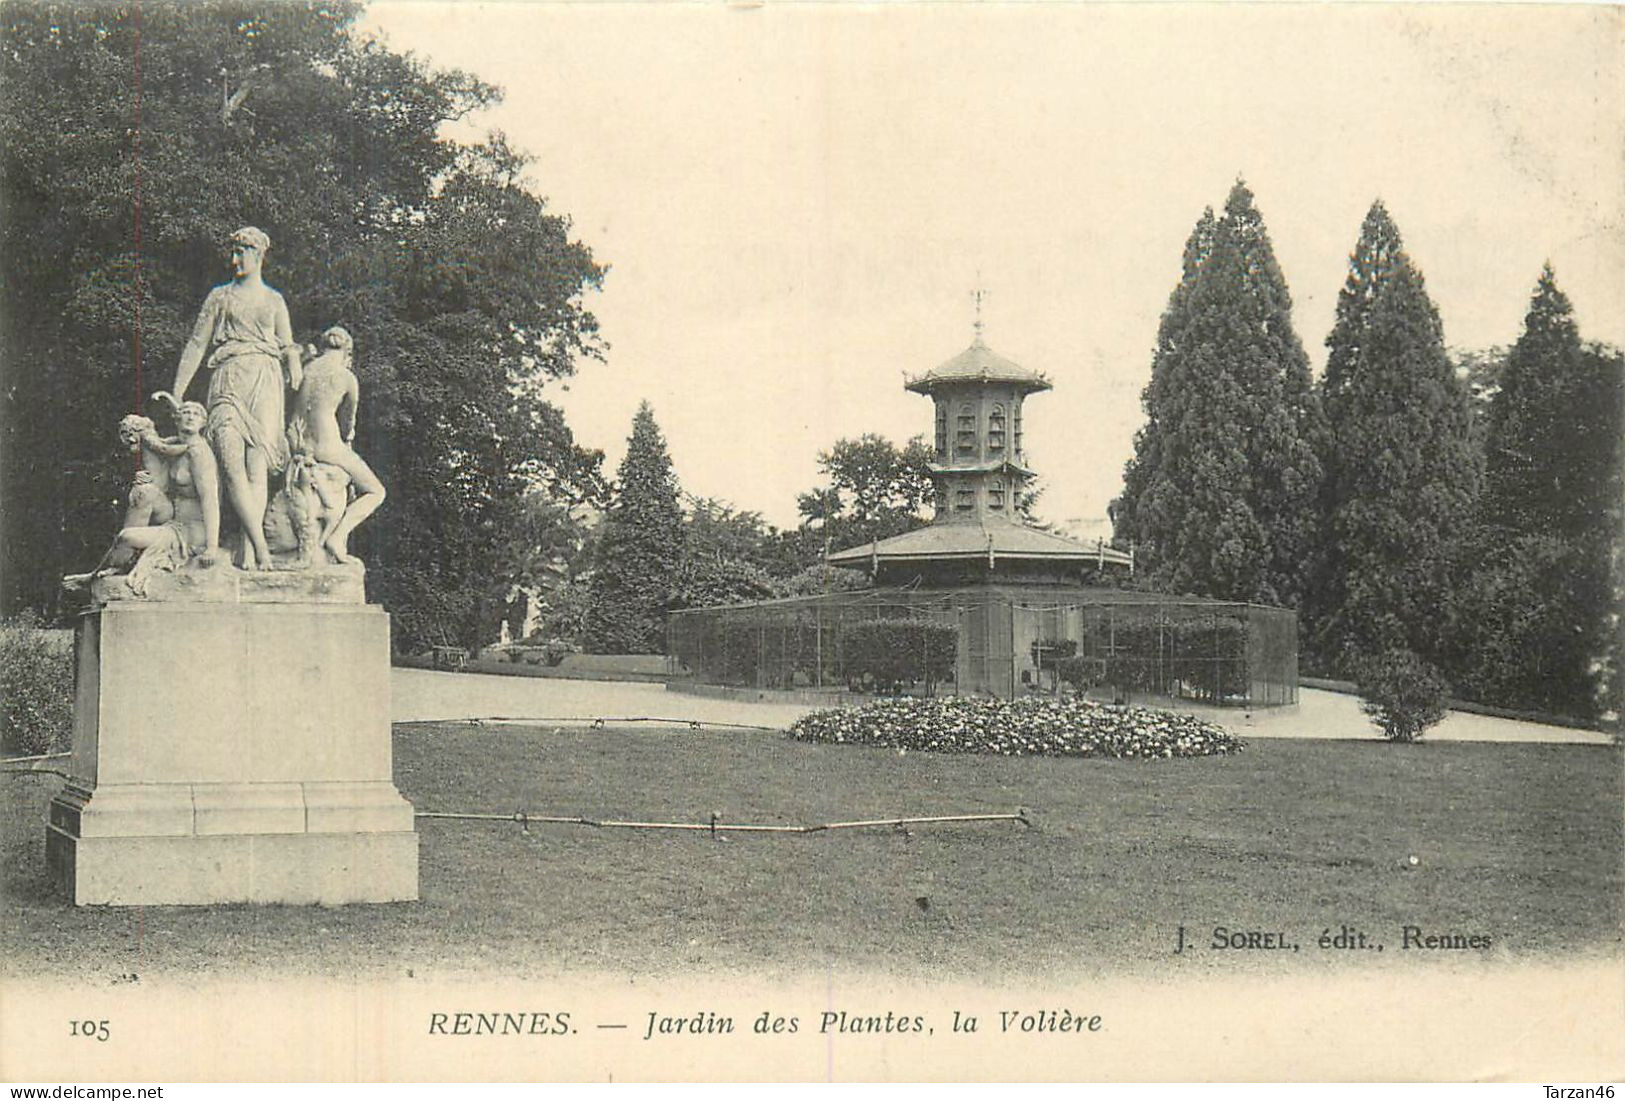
{"x": 1082, "y": 673}
{"x": 886, "y": 654}
{"x": 1203, "y": 658}
{"x": 1403, "y": 694}
{"x": 36, "y": 688}
{"x": 1525, "y": 632}
{"x": 736, "y": 649}
{"x": 1068, "y": 726}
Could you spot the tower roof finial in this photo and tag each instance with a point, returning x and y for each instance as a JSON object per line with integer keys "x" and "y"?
{"x": 976, "y": 296}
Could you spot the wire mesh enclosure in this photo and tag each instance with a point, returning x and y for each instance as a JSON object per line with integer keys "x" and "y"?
{"x": 993, "y": 640}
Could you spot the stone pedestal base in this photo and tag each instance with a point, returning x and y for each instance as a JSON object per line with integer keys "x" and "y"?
{"x": 232, "y": 753}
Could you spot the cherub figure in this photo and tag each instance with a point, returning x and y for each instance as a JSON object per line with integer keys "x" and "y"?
{"x": 163, "y": 530}
{"x": 306, "y": 509}
{"x": 323, "y": 425}
{"x": 149, "y": 503}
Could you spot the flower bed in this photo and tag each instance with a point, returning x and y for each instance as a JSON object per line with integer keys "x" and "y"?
{"x": 1066, "y": 727}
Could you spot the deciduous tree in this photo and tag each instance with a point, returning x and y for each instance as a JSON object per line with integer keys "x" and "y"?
{"x": 874, "y": 490}
{"x": 123, "y": 169}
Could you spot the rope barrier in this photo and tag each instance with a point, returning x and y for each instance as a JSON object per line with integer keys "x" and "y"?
{"x": 524, "y": 819}
{"x": 35, "y": 771}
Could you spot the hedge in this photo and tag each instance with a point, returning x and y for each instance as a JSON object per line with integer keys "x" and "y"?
{"x": 1202, "y": 658}
{"x": 36, "y": 688}
{"x": 885, "y": 655}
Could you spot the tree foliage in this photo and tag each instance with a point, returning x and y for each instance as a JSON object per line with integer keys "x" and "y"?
{"x": 1535, "y": 621}
{"x": 1526, "y": 623}
{"x": 1218, "y": 497}
{"x": 1552, "y": 455}
{"x": 122, "y": 171}
{"x": 726, "y": 556}
{"x": 1401, "y": 471}
{"x": 550, "y": 550}
{"x": 638, "y": 549}
{"x": 873, "y": 489}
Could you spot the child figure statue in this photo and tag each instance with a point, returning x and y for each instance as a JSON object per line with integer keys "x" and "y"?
{"x": 322, "y": 426}
{"x": 174, "y": 510}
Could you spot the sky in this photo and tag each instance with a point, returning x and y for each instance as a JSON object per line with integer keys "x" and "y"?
{"x": 796, "y": 201}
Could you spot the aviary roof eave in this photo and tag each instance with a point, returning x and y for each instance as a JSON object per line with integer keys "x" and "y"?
{"x": 978, "y": 363}
{"x": 963, "y": 541}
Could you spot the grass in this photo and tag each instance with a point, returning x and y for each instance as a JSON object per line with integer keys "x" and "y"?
{"x": 1520, "y": 842}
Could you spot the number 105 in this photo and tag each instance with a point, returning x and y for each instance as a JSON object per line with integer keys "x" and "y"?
{"x": 92, "y": 1029}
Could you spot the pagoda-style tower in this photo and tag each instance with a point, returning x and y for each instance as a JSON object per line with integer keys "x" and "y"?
{"x": 980, "y": 466}
{"x": 978, "y": 535}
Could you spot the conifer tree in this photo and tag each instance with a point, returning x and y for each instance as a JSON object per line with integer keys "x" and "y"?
{"x": 1546, "y": 470}
{"x": 1220, "y": 494}
{"x": 1402, "y": 471}
{"x": 1371, "y": 265}
{"x": 1146, "y": 462}
{"x": 1533, "y": 622}
{"x": 1375, "y": 255}
{"x": 638, "y": 549}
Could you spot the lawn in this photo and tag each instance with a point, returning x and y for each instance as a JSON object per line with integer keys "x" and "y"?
{"x": 1520, "y": 843}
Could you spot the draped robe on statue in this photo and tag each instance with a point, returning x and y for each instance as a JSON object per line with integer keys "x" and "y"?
{"x": 246, "y": 334}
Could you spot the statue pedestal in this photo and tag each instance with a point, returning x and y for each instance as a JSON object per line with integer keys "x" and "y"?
{"x": 233, "y": 752}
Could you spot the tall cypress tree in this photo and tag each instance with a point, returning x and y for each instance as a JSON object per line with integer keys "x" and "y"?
{"x": 1373, "y": 261}
{"x": 1371, "y": 265}
{"x": 1220, "y": 493}
{"x": 1536, "y": 481}
{"x": 638, "y": 549}
{"x": 1402, "y": 472}
{"x": 1146, "y": 462}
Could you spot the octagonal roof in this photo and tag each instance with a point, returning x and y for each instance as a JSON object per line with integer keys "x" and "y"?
{"x": 978, "y": 363}
{"x": 942, "y": 541}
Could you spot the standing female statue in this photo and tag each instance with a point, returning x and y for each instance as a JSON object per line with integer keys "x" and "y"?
{"x": 244, "y": 330}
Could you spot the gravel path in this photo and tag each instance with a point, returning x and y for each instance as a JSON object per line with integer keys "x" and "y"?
{"x": 422, "y": 694}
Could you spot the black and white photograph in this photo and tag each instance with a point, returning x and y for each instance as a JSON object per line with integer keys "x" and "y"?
{"x": 811, "y": 542}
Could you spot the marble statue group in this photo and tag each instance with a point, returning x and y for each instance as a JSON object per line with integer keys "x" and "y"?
{"x": 273, "y": 781}
{"x": 229, "y": 451}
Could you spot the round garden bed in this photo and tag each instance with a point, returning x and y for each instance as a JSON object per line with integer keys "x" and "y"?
{"x": 1068, "y": 726}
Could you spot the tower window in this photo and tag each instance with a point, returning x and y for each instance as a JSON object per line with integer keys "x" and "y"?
{"x": 995, "y": 429}
{"x": 995, "y": 495}
{"x": 965, "y": 441}
{"x": 965, "y": 500}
